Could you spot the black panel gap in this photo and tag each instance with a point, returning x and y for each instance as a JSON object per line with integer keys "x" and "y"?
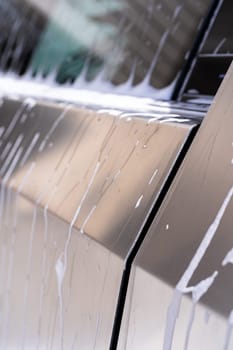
{"x": 128, "y": 264}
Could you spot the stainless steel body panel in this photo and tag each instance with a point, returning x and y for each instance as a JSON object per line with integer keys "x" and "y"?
{"x": 76, "y": 189}
{"x": 181, "y": 282}
{"x": 39, "y": 311}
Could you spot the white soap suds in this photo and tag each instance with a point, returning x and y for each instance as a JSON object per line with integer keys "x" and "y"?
{"x": 181, "y": 286}
{"x": 139, "y": 201}
{"x": 228, "y": 258}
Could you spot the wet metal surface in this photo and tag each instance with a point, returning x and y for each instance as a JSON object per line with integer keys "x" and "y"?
{"x": 91, "y": 168}
{"x": 185, "y": 263}
{"x": 32, "y": 316}
{"x": 76, "y": 188}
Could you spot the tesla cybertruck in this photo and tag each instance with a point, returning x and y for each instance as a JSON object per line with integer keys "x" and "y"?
{"x": 116, "y": 174}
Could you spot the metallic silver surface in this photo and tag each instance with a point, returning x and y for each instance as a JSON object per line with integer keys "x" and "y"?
{"x": 32, "y": 317}
{"x": 76, "y": 188}
{"x": 189, "y": 242}
{"x": 109, "y": 168}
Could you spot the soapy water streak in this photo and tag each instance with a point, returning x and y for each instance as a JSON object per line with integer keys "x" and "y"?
{"x": 182, "y": 285}
{"x": 12, "y": 248}
{"x": 37, "y": 203}
{"x": 228, "y": 260}
{"x": 5, "y": 179}
{"x": 60, "y": 270}
{"x": 7, "y": 169}
{"x": 197, "y": 292}
{"x": 11, "y": 162}
{"x": 61, "y": 264}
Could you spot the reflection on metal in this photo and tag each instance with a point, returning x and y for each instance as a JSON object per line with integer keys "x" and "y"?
{"x": 127, "y": 46}
{"x": 76, "y": 188}
{"x": 188, "y": 249}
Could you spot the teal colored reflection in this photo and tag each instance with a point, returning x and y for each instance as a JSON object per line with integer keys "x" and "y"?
{"x": 79, "y": 33}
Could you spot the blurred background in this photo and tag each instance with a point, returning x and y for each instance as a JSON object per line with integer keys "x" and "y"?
{"x": 140, "y": 44}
